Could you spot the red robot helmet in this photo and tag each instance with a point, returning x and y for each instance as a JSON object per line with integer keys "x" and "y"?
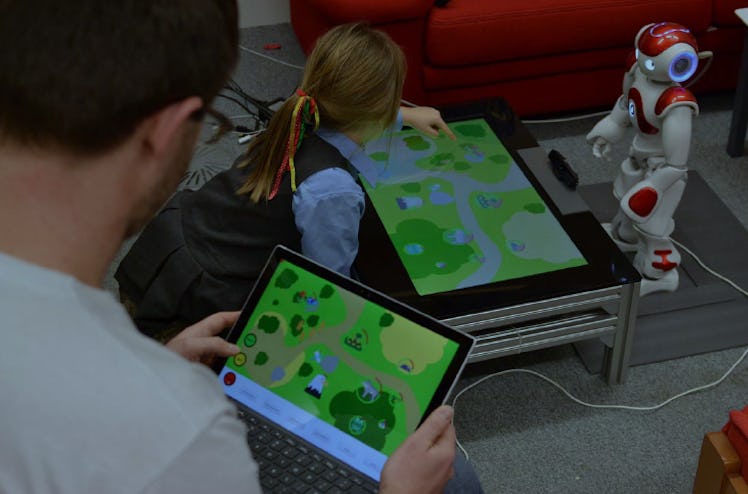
{"x": 654, "y": 39}
{"x": 667, "y": 51}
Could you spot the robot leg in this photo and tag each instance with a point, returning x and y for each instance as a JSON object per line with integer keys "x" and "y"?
{"x": 621, "y": 228}
{"x": 657, "y": 261}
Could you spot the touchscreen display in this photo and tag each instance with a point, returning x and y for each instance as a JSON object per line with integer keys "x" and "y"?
{"x": 336, "y": 369}
{"x": 462, "y": 213}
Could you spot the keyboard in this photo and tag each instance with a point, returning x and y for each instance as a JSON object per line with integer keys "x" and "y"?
{"x": 289, "y": 465}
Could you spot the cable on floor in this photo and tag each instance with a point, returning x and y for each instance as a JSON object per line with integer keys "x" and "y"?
{"x": 259, "y": 54}
{"x": 619, "y": 407}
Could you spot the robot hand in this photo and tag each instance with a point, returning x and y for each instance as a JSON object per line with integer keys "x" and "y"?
{"x": 605, "y": 132}
{"x": 601, "y": 148}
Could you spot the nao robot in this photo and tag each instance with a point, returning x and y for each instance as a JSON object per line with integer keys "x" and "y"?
{"x": 652, "y": 178}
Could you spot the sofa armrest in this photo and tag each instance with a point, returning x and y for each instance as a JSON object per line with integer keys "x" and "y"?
{"x": 736, "y": 484}
{"x": 717, "y": 459}
{"x": 376, "y": 12}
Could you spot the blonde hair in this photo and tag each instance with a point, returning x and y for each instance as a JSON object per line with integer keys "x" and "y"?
{"x": 355, "y": 76}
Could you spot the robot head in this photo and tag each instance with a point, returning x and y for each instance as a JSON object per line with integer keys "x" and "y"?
{"x": 666, "y": 51}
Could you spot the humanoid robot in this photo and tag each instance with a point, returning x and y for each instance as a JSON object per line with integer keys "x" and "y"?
{"x": 652, "y": 178}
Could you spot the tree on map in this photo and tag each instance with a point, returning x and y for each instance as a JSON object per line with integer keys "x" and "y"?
{"x": 535, "y": 208}
{"x": 378, "y": 417}
{"x": 411, "y": 187}
{"x": 326, "y": 291}
{"x": 269, "y": 324}
{"x": 261, "y": 358}
{"x": 442, "y": 159}
{"x": 471, "y": 130}
{"x": 416, "y": 143}
{"x": 305, "y": 369}
{"x": 312, "y": 320}
{"x": 386, "y": 320}
{"x": 297, "y": 325}
{"x": 434, "y": 249}
{"x": 286, "y": 279}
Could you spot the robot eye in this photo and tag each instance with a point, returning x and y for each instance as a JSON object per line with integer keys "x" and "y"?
{"x": 683, "y": 66}
{"x": 649, "y": 64}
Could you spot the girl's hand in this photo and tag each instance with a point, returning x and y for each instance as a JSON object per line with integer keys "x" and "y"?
{"x": 426, "y": 119}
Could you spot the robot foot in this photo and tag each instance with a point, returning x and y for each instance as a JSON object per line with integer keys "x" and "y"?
{"x": 624, "y": 245}
{"x": 668, "y": 283}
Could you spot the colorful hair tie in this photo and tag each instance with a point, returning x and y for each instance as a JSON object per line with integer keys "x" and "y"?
{"x": 304, "y": 111}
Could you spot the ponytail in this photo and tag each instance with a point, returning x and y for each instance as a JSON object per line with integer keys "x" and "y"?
{"x": 273, "y": 151}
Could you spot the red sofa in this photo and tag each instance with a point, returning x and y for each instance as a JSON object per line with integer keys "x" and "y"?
{"x": 543, "y": 56}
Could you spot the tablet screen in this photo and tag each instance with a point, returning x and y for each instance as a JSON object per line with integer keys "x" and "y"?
{"x": 345, "y": 368}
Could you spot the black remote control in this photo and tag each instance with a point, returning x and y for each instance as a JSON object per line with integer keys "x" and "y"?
{"x": 563, "y": 170}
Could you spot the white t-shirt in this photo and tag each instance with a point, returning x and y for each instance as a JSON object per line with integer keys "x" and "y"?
{"x": 89, "y": 405}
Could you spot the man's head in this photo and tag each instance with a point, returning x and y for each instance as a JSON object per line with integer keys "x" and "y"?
{"x": 80, "y": 75}
{"x": 125, "y": 79}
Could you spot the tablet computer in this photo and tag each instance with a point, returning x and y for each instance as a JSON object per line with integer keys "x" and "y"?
{"x": 339, "y": 367}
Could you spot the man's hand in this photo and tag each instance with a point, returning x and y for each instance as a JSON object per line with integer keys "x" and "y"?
{"x": 423, "y": 464}
{"x": 200, "y": 342}
{"x": 427, "y": 120}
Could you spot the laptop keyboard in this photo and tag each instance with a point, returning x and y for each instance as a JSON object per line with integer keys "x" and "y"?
{"x": 289, "y": 465}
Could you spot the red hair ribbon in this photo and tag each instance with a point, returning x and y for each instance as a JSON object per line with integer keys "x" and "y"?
{"x": 303, "y": 112}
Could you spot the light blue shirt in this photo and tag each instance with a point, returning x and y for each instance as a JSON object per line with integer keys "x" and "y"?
{"x": 329, "y": 204}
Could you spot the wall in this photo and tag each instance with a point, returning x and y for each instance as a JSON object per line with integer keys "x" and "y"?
{"x": 263, "y": 12}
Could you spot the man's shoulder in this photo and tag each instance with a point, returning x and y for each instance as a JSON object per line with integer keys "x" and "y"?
{"x": 84, "y": 380}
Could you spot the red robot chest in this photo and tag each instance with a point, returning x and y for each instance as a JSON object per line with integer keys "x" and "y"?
{"x": 637, "y": 113}
{"x": 645, "y": 113}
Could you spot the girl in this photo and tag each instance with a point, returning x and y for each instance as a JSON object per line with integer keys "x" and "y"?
{"x": 295, "y": 186}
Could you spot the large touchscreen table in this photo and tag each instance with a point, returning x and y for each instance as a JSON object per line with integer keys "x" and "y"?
{"x": 462, "y": 213}
{"x": 479, "y": 234}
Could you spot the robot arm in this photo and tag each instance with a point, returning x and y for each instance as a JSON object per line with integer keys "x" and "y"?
{"x": 609, "y": 130}
{"x": 676, "y": 135}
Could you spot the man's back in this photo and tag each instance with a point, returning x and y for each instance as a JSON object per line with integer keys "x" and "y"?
{"x": 90, "y": 405}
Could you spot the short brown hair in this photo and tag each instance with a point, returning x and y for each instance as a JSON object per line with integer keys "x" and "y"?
{"x": 81, "y": 74}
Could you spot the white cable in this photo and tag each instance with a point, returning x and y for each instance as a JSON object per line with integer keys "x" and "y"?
{"x": 244, "y": 48}
{"x": 618, "y": 407}
{"x": 708, "y": 269}
{"x": 566, "y": 119}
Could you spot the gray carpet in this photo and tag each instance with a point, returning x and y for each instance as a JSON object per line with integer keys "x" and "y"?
{"x": 524, "y": 435}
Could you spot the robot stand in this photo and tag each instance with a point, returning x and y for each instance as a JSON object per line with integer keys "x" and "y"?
{"x": 704, "y": 314}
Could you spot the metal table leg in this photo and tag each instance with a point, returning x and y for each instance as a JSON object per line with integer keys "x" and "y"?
{"x": 616, "y": 358}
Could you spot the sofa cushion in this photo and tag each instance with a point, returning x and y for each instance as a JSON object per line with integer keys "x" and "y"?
{"x": 469, "y": 32}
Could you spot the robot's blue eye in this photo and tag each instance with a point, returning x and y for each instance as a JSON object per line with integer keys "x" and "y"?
{"x": 683, "y": 66}
{"x": 632, "y": 109}
{"x": 649, "y": 64}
